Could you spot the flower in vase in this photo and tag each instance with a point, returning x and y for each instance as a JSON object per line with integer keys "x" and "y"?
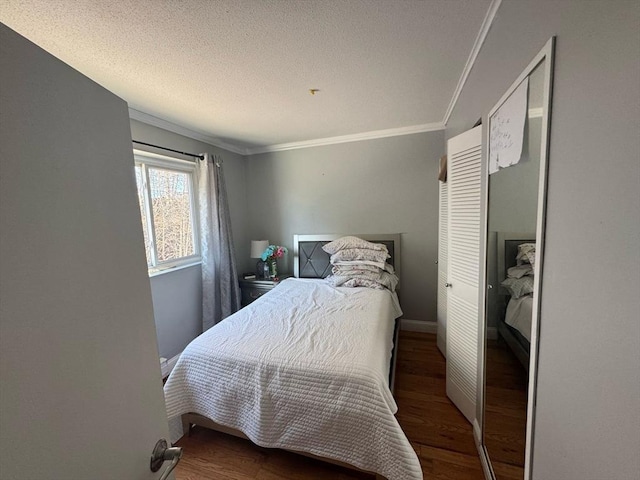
{"x": 272, "y": 252}
{"x": 269, "y": 257}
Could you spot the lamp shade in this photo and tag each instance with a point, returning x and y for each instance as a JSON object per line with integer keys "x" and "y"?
{"x": 258, "y": 247}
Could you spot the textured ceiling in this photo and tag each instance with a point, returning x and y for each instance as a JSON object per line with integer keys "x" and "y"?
{"x": 241, "y": 70}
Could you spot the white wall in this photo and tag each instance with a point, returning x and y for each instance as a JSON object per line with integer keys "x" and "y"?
{"x": 588, "y": 402}
{"x": 177, "y": 295}
{"x": 387, "y": 185}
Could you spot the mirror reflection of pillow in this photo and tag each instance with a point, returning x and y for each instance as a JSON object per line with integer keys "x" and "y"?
{"x": 526, "y": 253}
{"x": 520, "y": 271}
{"x": 531, "y": 257}
{"x": 519, "y": 287}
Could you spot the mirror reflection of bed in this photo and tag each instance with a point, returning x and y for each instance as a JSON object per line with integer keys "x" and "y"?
{"x": 516, "y": 262}
{"x": 508, "y": 346}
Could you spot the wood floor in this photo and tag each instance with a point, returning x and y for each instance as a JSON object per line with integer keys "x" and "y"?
{"x": 441, "y": 436}
{"x": 505, "y": 420}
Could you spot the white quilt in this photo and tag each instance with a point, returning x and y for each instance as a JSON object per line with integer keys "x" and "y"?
{"x": 305, "y": 367}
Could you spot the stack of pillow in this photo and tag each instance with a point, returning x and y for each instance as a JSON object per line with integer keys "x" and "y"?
{"x": 519, "y": 281}
{"x": 358, "y": 263}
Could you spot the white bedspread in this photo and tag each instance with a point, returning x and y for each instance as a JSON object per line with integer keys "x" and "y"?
{"x": 519, "y": 314}
{"x": 305, "y": 367}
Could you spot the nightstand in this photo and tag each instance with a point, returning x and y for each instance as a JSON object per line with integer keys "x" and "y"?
{"x": 255, "y": 288}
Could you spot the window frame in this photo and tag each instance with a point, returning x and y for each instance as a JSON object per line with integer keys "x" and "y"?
{"x": 144, "y": 160}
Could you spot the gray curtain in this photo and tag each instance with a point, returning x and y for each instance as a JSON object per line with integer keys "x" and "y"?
{"x": 220, "y": 289}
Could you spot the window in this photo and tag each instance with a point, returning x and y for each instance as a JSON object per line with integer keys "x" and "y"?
{"x": 167, "y": 207}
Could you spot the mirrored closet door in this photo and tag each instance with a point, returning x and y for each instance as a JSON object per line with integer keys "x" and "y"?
{"x": 517, "y": 139}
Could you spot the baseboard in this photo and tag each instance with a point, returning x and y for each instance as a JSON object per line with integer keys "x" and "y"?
{"x": 168, "y": 366}
{"x": 441, "y": 341}
{"x": 477, "y": 433}
{"x": 175, "y": 429}
{"x": 418, "y": 326}
{"x": 492, "y": 333}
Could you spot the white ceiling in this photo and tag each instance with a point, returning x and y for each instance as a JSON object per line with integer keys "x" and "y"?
{"x": 239, "y": 71}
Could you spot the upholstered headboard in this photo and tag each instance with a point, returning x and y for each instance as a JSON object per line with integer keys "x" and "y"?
{"x": 311, "y": 261}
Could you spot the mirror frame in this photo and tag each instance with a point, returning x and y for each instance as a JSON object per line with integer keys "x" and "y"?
{"x": 547, "y": 53}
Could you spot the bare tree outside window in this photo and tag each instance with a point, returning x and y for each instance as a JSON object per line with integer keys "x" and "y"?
{"x": 171, "y": 207}
{"x": 166, "y": 209}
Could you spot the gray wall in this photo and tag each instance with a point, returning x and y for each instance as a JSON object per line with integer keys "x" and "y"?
{"x": 177, "y": 308}
{"x": 387, "y": 185}
{"x": 513, "y": 191}
{"x": 588, "y": 401}
{"x": 177, "y": 295}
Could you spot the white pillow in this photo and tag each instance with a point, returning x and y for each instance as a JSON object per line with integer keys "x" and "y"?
{"x": 344, "y": 281}
{"x": 362, "y": 282}
{"x": 389, "y": 280}
{"x": 354, "y": 269}
{"x": 352, "y": 242}
{"x": 348, "y": 254}
{"x": 357, "y": 263}
{"x": 366, "y": 279}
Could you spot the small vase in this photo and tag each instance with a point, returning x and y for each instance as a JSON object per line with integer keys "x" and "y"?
{"x": 273, "y": 268}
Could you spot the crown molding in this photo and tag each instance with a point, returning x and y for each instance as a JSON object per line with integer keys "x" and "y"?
{"x": 372, "y": 135}
{"x": 159, "y": 122}
{"x": 482, "y": 35}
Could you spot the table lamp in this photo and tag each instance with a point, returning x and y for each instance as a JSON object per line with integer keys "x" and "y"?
{"x": 257, "y": 249}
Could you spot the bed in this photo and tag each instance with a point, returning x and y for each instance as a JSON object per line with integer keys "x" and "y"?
{"x": 514, "y": 325}
{"x": 308, "y": 367}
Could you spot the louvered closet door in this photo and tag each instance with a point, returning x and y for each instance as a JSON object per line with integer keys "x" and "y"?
{"x": 443, "y": 245}
{"x": 464, "y": 179}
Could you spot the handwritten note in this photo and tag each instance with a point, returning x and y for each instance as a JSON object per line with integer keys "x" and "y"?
{"x": 506, "y": 127}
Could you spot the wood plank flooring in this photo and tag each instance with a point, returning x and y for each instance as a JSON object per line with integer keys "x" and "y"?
{"x": 440, "y": 435}
{"x": 505, "y": 410}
